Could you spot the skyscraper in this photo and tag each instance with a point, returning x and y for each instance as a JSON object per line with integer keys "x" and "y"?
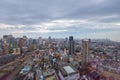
{"x": 5, "y": 48}
{"x": 50, "y": 39}
{"x": 21, "y": 44}
{"x": 34, "y": 44}
{"x": 85, "y": 52}
{"x": 6, "y": 40}
{"x": 71, "y": 45}
{"x": 66, "y": 43}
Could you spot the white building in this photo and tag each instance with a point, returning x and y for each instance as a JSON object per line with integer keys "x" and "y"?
{"x": 68, "y": 73}
{"x": 16, "y": 51}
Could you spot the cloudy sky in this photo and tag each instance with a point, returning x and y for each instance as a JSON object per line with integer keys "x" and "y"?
{"x": 61, "y": 18}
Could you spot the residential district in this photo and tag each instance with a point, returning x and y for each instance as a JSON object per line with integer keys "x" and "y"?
{"x": 58, "y": 59}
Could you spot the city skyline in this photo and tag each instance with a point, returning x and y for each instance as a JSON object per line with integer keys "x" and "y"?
{"x": 81, "y": 19}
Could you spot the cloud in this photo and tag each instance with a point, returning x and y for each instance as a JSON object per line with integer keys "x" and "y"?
{"x": 59, "y": 16}
{"x": 59, "y": 26}
{"x": 33, "y": 12}
{"x": 112, "y": 34}
{"x": 39, "y": 31}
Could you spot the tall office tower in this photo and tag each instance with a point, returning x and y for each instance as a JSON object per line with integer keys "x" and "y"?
{"x": 66, "y": 43}
{"x": 5, "y": 47}
{"x": 1, "y": 50}
{"x": 40, "y": 41}
{"x": 30, "y": 40}
{"x": 50, "y": 39}
{"x": 85, "y": 52}
{"x": 21, "y": 42}
{"x": 71, "y": 45}
{"x": 34, "y": 44}
{"x": 8, "y": 38}
{"x": 25, "y": 39}
{"x": 6, "y": 41}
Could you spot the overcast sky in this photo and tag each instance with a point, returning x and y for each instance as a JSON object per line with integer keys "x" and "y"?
{"x": 61, "y": 18}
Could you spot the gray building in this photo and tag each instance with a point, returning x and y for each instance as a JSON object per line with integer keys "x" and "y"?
{"x": 71, "y": 45}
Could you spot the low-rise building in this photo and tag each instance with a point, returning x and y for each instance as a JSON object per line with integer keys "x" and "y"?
{"x": 16, "y": 51}
{"x": 68, "y": 73}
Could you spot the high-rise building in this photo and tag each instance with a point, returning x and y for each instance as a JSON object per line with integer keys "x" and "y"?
{"x": 71, "y": 45}
{"x": 21, "y": 42}
{"x": 50, "y": 39}
{"x": 29, "y": 42}
{"x": 25, "y": 39}
{"x": 6, "y": 42}
{"x": 39, "y": 40}
{"x": 66, "y": 43}
{"x": 85, "y": 52}
{"x": 34, "y": 44}
{"x": 8, "y": 38}
{"x": 5, "y": 47}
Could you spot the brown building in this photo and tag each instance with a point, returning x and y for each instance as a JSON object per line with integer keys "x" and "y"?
{"x": 85, "y": 52}
{"x": 5, "y": 46}
{"x": 21, "y": 42}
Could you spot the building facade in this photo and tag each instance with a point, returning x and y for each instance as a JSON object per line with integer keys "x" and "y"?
{"x": 71, "y": 45}
{"x": 85, "y": 52}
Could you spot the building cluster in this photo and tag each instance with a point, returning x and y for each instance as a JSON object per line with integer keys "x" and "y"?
{"x": 12, "y": 45}
{"x": 61, "y": 59}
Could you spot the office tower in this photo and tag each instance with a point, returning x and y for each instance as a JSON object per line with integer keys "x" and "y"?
{"x": 40, "y": 41}
{"x": 34, "y": 44}
{"x": 8, "y": 38}
{"x": 85, "y": 52}
{"x": 21, "y": 42}
{"x": 29, "y": 42}
{"x": 6, "y": 41}
{"x": 1, "y": 50}
{"x": 25, "y": 39}
{"x": 71, "y": 45}
{"x": 66, "y": 43}
{"x": 50, "y": 39}
{"x": 5, "y": 47}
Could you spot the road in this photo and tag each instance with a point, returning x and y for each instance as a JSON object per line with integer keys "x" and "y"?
{"x": 16, "y": 71}
{"x": 1, "y": 67}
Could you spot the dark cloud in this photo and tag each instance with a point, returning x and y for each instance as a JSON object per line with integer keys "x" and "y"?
{"x": 36, "y": 11}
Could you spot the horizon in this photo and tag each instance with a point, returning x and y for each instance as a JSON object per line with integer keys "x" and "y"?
{"x": 76, "y": 38}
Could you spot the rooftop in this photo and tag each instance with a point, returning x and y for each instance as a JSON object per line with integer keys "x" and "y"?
{"x": 69, "y": 69}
